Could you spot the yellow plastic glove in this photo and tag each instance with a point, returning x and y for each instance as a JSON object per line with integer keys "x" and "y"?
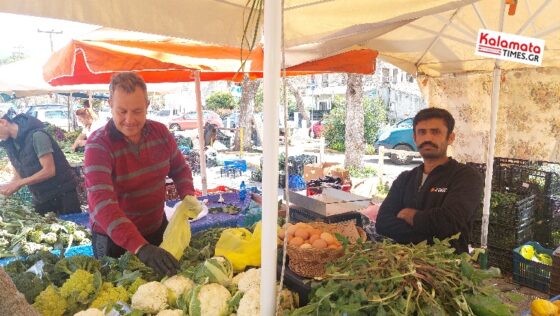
{"x": 177, "y": 235}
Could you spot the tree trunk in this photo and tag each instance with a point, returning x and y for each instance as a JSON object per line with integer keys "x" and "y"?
{"x": 246, "y": 108}
{"x": 299, "y": 100}
{"x": 354, "y": 136}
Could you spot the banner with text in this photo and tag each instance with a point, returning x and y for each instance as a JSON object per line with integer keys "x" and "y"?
{"x": 521, "y": 49}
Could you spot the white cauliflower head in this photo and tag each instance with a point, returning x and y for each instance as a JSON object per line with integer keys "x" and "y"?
{"x": 150, "y": 297}
{"x": 248, "y": 280}
{"x": 170, "y": 312}
{"x": 179, "y": 285}
{"x": 209, "y": 300}
{"x": 250, "y": 303}
{"x": 90, "y": 312}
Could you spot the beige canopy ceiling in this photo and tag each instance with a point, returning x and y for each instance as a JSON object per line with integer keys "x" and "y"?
{"x": 307, "y": 22}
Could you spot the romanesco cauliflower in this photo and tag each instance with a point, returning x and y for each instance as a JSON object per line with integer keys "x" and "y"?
{"x": 50, "y": 302}
{"x": 109, "y": 295}
{"x": 80, "y": 289}
{"x": 50, "y": 238}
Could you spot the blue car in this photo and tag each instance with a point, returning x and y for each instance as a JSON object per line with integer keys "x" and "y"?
{"x": 399, "y": 137}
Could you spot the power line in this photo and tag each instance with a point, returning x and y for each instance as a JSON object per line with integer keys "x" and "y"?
{"x": 50, "y": 32}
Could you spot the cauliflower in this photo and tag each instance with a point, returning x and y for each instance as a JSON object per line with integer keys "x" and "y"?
{"x": 209, "y": 300}
{"x": 35, "y": 236}
{"x": 79, "y": 235}
{"x": 54, "y": 228}
{"x": 248, "y": 280}
{"x": 250, "y": 303}
{"x": 80, "y": 289}
{"x": 90, "y": 312}
{"x": 135, "y": 285}
{"x": 30, "y": 248}
{"x": 170, "y": 312}
{"x": 179, "y": 285}
{"x": 150, "y": 297}
{"x": 50, "y": 302}
{"x": 110, "y": 295}
{"x": 50, "y": 238}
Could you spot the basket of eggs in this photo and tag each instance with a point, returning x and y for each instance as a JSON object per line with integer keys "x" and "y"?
{"x": 310, "y": 246}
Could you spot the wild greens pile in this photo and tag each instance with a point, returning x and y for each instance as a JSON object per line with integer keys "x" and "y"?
{"x": 384, "y": 278}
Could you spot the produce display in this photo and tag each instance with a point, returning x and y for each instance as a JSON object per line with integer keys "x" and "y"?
{"x": 24, "y": 232}
{"x": 540, "y": 307}
{"x": 206, "y": 285}
{"x": 383, "y": 278}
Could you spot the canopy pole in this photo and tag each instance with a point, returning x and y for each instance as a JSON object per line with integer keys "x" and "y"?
{"x": 272, "y": 61}
{"x": 490, "y": 157}
{"x": 200, "y": 133}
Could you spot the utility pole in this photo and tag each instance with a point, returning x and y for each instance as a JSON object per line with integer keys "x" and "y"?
{"x": 51, "y": 32}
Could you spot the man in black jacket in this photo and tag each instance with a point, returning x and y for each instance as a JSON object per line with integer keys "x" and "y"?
{"x": 437, "y": 199}
{"x": 40, "y": 164}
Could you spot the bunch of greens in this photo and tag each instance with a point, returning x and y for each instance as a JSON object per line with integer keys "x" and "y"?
{"x": 391, "y": 279}
{"x": 201, "y": 248}
{"x": 228, "y": 209}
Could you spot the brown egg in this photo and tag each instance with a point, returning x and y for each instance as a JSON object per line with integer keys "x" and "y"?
{"x": 281, "y": 233}
{"x": 319, "y": 244}
{"x": 296, "y": 241}
{"x": 303, "y": 233}
{"x": 328, "y": 238}
{"x": 292, "y": 230}
{"x": 333, "y": 246}
{"x": 312, "y": 238}
{"x": 305, "y": 246}
{"x": 316, "y": 231}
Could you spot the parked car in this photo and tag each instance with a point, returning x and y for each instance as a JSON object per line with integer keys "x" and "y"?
{"x": 316, "y": 130}
{"x": 189, "y": 120}
{"x": 399, "y": 136}
{"x": 54, "y": 114}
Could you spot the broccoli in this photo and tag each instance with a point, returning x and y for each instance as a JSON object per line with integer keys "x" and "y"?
{"x": 129, "y": 262}
{"x": 29, "y": 284}
{"x": 15, "y": 267}
{"x": 69, "y": 265}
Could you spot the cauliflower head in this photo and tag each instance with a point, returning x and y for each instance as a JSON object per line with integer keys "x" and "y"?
{"x": 150, "y": 297}
{"x": 80, "y": 289}
{"x": 90, "y": 312}
{"x": 50, "y": 302}
{"x": 248, "y": 280}
{"x": 178, "y": 285}
{"x": 250, "y": 303}
{"x": 209, "y": 300}
{"x": 170, "y": 312}
{"x": 110, "y": 295}
{"x": 132, "y": 288}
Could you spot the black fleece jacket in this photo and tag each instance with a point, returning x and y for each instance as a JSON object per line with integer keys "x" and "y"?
{"x": 446, "y": 204}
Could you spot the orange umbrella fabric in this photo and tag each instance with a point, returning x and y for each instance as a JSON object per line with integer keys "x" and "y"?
{"x": 165, "y": 59}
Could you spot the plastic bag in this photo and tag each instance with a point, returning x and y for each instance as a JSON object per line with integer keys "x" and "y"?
{"x": 177, "y": 235}
{"x": 241, "y": 247}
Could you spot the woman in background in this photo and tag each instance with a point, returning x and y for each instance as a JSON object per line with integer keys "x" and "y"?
{"x": 90, "y": 122}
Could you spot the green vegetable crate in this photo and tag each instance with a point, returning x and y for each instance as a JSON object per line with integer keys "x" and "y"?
{"x": 504, "y": 236}
{"x": 530, "y": 273}
{"x": 555, "y": 274}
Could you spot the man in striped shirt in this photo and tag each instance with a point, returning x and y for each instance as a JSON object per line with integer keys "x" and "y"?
{"x": 126, "y": 164}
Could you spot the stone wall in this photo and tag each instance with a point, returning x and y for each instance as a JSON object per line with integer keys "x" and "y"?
{"x": 528, "y": 116}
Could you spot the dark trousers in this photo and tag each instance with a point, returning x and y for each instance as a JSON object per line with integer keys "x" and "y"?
{"x": 64, "y": 203}
{"x": 104, "y": 246}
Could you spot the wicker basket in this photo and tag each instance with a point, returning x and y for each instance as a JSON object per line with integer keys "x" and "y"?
{"x": 310, "y": 262}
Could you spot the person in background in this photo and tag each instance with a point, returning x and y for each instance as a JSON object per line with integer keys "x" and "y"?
{"x": 40, "y": 164}
{"x": 126, "y": 164}
{"x": 437, "y": 199}
{"x": 90, "y": 122}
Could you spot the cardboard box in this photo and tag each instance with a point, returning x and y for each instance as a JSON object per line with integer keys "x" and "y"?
{"x": 329, "y": 202}
{"x": 319, "y": 170}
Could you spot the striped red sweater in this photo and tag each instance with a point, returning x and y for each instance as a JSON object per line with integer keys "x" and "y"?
{"x": 126, "y": 182}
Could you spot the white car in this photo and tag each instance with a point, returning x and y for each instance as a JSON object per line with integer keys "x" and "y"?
{"x": 54, "y": 114}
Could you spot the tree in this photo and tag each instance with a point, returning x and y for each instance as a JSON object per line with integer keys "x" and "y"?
{"x": 221, "y": 102}
{"x": 354, "y": 135}
{"x": 246, "y": 109}
{"x": 298, "y": 98}
{"x": 16, "y": 56}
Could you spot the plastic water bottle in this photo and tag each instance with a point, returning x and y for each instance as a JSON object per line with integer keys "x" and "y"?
{"x": 242, "y": 191}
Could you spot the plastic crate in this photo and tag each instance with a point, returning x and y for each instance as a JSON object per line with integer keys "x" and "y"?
{"x": 240, "y": 164}
{"x": 500, "y": 258}
{"x": 512, "y": 215}
{"x": 547, "y": 232}
{"x": 298, "y": 215}
{"x": 480, "y": 167}
{"x": 504, "y": 236}
{"x": 529, "y": 273}
{"x": 555, "y": 273}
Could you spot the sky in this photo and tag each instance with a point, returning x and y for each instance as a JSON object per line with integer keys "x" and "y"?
{"x": 19, "y": 33}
